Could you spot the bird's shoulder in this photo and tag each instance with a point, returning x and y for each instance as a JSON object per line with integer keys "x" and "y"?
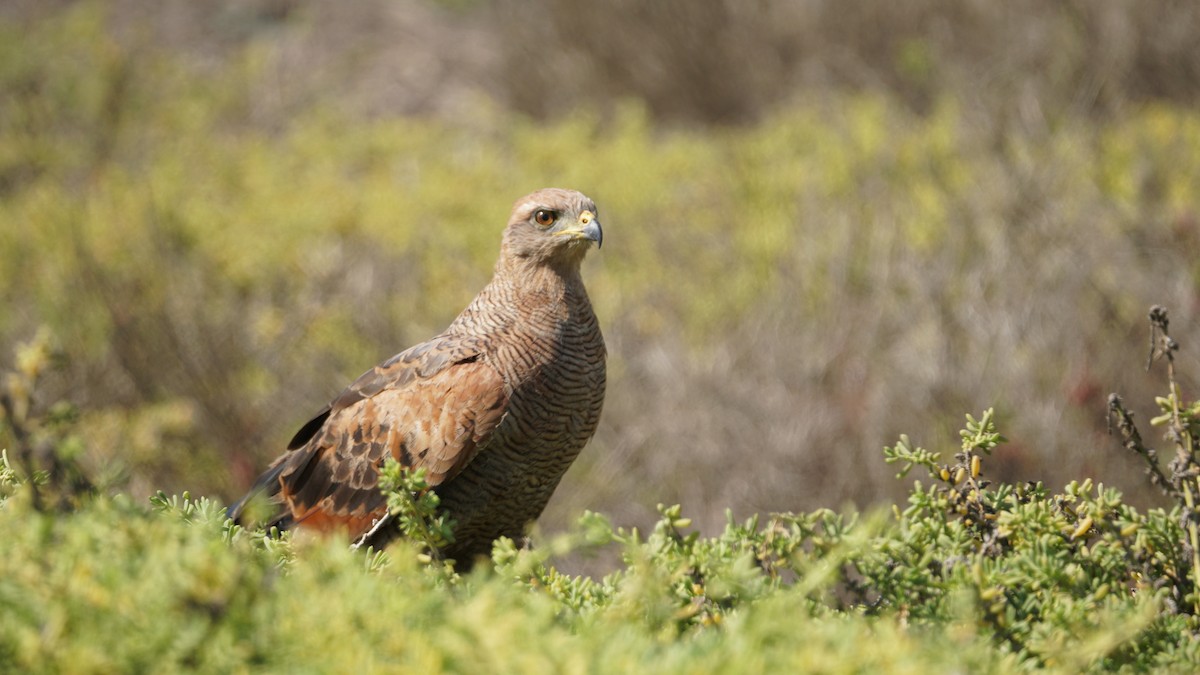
{"x": 405, "y": 370}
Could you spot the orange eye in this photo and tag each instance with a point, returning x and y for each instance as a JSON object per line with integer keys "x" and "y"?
{"x": 545, "y": 218}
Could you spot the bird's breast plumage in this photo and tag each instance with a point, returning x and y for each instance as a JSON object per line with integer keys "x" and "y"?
{"x": 551, "y": 355}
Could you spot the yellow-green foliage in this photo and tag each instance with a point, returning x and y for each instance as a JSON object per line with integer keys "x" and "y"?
{"x": 1069, "y": 582}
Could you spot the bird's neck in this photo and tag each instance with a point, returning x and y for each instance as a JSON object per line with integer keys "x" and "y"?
{"x": 537, "y": 283}
{"x": 527, "y": 298}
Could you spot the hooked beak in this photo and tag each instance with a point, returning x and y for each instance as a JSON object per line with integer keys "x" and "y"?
{"x": 591, "y": 228}
{"x": 588, "y": 228}
{"x": 592, "y": 231}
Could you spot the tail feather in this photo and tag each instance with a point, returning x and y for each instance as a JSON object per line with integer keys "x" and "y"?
{"x": 268, "y": 484}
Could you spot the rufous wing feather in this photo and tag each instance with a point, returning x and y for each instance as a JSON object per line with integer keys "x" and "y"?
{"x": 433, "y": 407}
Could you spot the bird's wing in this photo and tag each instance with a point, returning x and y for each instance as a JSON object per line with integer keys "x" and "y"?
{"x": 433, "y": 407}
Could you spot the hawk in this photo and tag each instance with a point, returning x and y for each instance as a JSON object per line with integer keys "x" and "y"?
{"x": 495, "y": 409}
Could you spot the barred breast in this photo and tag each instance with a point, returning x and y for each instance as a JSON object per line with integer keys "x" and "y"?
{"x": 551, "y": 355}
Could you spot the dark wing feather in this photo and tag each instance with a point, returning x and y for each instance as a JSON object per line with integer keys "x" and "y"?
{"x": 432, "y": 406}
{"x": 309, "y": 429}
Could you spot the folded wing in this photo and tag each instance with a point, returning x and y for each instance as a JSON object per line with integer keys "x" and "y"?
{"x": 433, "y": 406}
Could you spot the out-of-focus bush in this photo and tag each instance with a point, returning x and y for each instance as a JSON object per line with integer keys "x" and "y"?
{"x": 692, "y": 61}
{"x": 780, "y": 299}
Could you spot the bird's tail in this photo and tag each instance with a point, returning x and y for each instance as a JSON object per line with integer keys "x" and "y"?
{"x": 267, "y": 485}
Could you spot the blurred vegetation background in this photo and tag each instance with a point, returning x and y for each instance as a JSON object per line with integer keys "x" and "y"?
{"x": 825, "y": 224}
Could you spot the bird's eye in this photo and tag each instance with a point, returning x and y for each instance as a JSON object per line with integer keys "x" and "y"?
{"x": 545, "y": 218}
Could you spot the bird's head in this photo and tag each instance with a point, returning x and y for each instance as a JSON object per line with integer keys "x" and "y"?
{"x": 552, "y": 226}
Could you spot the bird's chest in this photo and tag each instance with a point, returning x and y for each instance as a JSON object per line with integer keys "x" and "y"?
{"x": 553, "y": 410}
{"x": 555, "y": 402}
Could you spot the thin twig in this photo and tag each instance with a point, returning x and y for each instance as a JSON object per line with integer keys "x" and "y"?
{"x": 375, "y": 527}
{"x": 1182, "y": 469}
{"x": 1132, "y": 440}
